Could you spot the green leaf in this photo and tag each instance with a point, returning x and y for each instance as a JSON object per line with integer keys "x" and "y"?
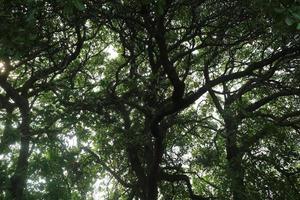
{"x": 160, "y": 6}
{"x": 298, "y": 26}
{"x": 78, "y": 5}
{"x": 289, "y": 21}
{"x": 296, "y": 15}
{"x": 279, "y": 10}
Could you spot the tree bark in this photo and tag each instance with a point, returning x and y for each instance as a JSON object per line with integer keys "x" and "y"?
{"x": 18, "y": 180}
{"x": 234, "y": 159}
{"x": 152, "y": 183}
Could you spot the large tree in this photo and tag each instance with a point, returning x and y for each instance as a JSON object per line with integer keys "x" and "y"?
{"x": 39, "y": 42}
{"x": 172, "y": 99}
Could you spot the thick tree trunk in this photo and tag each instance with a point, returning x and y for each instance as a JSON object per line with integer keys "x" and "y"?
{"x": 152, "y": 183}
{"x": 234, "y": 158}
{"x": 153, "y": 160}
{"x": 236, "y": 174}
{"x": 152, "y": 191}
{"x": 18, "y": 180}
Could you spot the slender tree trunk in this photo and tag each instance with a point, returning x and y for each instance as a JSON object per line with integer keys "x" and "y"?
{"x": 18, "y": 180}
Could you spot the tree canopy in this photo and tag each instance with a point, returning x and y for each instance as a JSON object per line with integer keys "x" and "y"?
{"x": 152, "y": 99}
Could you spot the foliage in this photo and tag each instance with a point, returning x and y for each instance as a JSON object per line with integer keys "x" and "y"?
{"x": 149, "y": 99}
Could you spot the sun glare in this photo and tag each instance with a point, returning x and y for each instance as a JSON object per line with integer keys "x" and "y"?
{"x": 2, "y": 68}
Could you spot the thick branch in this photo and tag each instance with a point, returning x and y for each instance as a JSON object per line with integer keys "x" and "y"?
{"x": 186, "y": 180}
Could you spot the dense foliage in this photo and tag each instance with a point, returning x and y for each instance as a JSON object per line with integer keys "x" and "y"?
{"x": 152, "y": 99}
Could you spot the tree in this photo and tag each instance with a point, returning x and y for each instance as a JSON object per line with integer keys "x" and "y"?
{"x": 39, "y": 44}
{"x": 172, "y": 116}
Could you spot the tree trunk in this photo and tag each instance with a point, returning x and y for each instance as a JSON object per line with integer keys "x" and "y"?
{"x": 152, "y": 183}
{"x": 151, "y": 190}
{"x": 234, "y": 159}
{"x": 236, "y": 174}
{"x": 153, "y": 169}
{"x": 18, "y": 180}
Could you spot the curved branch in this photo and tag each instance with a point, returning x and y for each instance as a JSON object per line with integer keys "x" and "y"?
{"x": 186, "y": 180}
{"x": 112, "y": 172}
